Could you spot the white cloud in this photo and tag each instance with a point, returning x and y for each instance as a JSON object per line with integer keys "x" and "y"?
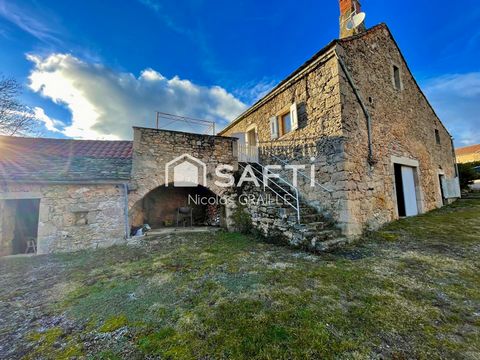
{"x": 105, "y": 104}
{"x": 22, "y": 18}
{"x": 456, "y": 99}
{"x": 254, "y": 91}
{"x": 50, "y": 124}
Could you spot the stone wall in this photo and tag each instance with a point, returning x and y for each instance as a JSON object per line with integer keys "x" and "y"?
{"x": 403, "y": 126}
{"x": 153, "y": 149}
{"x": 73, "y": 217}
{"x": 319, "y": 139}
{"x": 277, "y": 222}
{"x": 7, "y": 227}
{"x": 333, "y": 131}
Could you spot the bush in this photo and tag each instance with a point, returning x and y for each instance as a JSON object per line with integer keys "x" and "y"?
{"x": 467, "y": 174}
{"x": 242, "y": 220}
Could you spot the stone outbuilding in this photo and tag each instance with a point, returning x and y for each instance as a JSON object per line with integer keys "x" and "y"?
{"x": 66, "y": 195}
{"x": 63, "y": 194}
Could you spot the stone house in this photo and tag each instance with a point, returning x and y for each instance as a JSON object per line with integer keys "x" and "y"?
{"x": 355, "y": 111}
{"x": 352, "y": 122}
{"x": 468, "y": 154}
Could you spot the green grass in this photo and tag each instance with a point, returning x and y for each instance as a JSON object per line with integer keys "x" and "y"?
{"x": 410, "y": 290}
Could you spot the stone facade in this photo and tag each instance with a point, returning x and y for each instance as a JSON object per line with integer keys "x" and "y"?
{"x": 403, "y": 127}
{"x": 153, "y": 149}
{"x": 71, "y": 217}
{"x": 319, "y": 139}
{"x": 277, "y": 221}
{"x": 7, "y": 227}
{"x": 333, "y": 134}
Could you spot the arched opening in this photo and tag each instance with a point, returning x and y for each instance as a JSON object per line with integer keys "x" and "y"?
{"x": 171, "y": 206}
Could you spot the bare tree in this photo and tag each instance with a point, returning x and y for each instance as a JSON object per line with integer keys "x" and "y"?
{"x": 15, "y": 117}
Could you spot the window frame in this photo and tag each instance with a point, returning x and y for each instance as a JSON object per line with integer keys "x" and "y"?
{"x": 81, "y": 218}
{"x": 396, "y": 69}
{"x": 281, "y": 123}
{"x": 286, "y": 111}
{"x": 252, "y": 128}
{"x": 437, "y": 137}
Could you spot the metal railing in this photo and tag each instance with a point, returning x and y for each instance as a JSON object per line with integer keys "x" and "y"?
{"x": 299, "y": 172}
{"x": 295, "y": 203}
{"x": 248, "y": 153}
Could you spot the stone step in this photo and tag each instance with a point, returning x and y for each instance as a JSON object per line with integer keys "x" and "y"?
{"x": 331, "y": 244}
{"x": 317, "y": 225}
{"x": 281, "y": 186}
{"x": 307, "y": 210}
{"x": 324, "y": 235}
{"x": 312, "y": 218}
{"x": 304, "y": 211}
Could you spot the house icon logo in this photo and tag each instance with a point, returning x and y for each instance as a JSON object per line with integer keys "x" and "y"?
{"x": 187, "y": 171}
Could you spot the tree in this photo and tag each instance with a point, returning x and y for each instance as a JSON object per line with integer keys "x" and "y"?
{"x": 15, "y": 117}
{"x": 467, "y": 174}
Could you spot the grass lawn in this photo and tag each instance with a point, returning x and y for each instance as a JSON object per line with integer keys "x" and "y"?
{"x": 411, "y": 290}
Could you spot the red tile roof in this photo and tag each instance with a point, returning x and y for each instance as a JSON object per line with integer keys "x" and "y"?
{"x": 39, "y": 159}
{"x": 468, "y": 150}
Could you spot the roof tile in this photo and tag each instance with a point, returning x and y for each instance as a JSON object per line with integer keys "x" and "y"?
{"x": 472, "y": 149}
{"x": 39, "y": 159}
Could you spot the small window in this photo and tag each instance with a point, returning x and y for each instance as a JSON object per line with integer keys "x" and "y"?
{"x": 437, "y": 136}
{"x": 285, "y": 125}
{"x": 81, "y": 218}
{"x": 396, "y": 78}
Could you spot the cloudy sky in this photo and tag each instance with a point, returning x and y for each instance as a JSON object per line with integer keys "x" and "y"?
{"x": 92, "y": 69}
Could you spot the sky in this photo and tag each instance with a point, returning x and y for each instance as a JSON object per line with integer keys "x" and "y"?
{"x": 94, "y": 69}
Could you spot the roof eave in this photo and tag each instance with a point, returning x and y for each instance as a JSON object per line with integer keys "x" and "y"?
{"x": 312, "y": 62}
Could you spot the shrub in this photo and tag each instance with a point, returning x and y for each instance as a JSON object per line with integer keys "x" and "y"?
{"x": 467, "y": 174}
{"x": 242, "y": 220}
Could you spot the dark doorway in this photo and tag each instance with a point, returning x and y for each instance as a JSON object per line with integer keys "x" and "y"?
{"x": 440, "y": 180}
{"x": 399, "y": 189}
{"x": 26, "y": 225}
{"x": 160, "y": 207}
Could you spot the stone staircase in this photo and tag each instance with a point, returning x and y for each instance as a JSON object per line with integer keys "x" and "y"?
{"x": 278, "y": 221}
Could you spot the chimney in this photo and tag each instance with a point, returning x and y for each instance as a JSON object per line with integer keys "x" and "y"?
{"x": 347, "y": 8}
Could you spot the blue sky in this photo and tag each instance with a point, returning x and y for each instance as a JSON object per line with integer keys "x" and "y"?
{"x": 92, "y": 69}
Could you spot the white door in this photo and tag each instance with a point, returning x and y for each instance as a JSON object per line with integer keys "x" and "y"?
{"x": 252, "y": 148}
{"x": 409, "y": 193}
{"x": 240, "y": 137}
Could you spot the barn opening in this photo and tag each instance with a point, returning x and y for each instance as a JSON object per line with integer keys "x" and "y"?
{"x": 405, "y": 186}
{"x": 18, "y": 226}
{"x": 441, "y": 180}
{"x": 181, "y": 207}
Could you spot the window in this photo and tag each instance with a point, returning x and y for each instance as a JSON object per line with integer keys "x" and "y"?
{"x": 437, "y": 136}
{"x": 251, "y": 138}
{"x": 396, "y": 78}
{"x": 285, "y": 125}
{"x": 81, "y": 218}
